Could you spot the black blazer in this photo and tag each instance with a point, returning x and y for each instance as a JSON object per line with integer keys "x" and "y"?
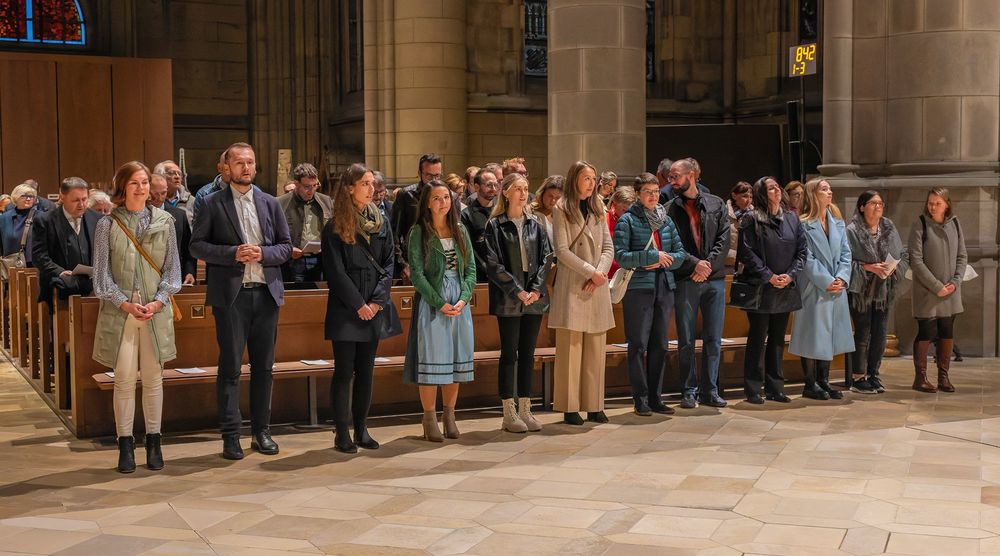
{"x": 53, "y": 251}
{"x": 216, "y": 235}
{"x": 354, "y": 281}
{"x": 502, "y": 251}
{"x": 189, "y": 264}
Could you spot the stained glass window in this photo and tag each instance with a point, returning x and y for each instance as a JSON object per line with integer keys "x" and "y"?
{"x": 42, "y": 21}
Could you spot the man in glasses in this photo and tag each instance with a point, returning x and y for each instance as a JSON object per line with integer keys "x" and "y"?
{"x": 404, "y": 208}
{"x": 177, "y": 195}
{"x": 703, "y": 224}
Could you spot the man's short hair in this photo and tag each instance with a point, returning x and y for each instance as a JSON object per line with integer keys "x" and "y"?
{"x": 72, "y": 183}
{"x": 304, "y": 170}
{"x": 480, "y": 175}
{"x": 492, "y": 167}
{"x": 687, "y": 164}
{"x": 664, "y": 167}
{"x": 427, "y": 158}
{"x": 161, "y": 168}
{"x": 32, "y": 183}
{"x": 378, "y": 177}
{"x": 230, "y": 148}
{"x": 158, "y": 176}
{"x": 511, "y": 164}
{"x": 97, "y": 196}
{"x": 644, "y": 178}
{"x": 694, "y": 165}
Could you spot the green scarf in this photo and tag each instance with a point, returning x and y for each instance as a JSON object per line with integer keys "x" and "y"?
{"x": 370, "y": 221}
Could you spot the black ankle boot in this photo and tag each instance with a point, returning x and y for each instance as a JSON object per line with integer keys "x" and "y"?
{"x": 154, "y": 454}
{"x": 342, "y": 441}
{"x": 597, "y": 417}
{"x": 823, "y": 380}
{"x": 812, "y": 389}
{"x": 363, "y": 439}
{"x": 126, "y": 454}
{"x": 572, "y": 418}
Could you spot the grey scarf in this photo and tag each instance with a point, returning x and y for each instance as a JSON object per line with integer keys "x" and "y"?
{"x": 656, "y": 216}
{"x": 370, "y": 221}
{"x": 868, "y": 248}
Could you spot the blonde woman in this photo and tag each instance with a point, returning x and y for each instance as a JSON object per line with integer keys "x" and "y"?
{"x": 822, "y": 328}
{"x": 581, "y": 301}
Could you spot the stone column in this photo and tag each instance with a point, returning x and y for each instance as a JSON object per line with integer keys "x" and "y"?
{"x": 597, "y": 84}
{"x": 415, "y": 84}
{"x": 911, "y": 101}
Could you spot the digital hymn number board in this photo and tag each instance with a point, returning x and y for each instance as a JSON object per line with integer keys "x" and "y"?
{"x": 802, "y": 60}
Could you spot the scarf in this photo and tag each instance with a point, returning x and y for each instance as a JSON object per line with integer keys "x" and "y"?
{"x": 369, "y": 221}
{"x": 656, "y": 217}
{"x": 868, "y": 248}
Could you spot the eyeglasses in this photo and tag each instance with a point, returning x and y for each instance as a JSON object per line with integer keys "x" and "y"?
{"x": 876, "y": 204}
{"x": 432, "y": 177}
{"x": 650, "y": 192}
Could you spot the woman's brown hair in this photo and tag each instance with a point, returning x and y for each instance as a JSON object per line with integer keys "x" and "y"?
{"x": 554, "y": 181}
{"x": 426, "y": 221}
{"x": 344, "y": 221}
{"x": 940, "y": 192}
{"x": 121, "y": 178}
{"x": 571, "y": 197}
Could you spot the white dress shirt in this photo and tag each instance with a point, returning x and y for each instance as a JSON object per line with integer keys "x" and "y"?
{"x": 246, "y": 212}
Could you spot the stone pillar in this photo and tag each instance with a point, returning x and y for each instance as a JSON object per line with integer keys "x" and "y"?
{"x": 415, "y": 84}
{"x": 597, "y": 84}
{"x": 911, "y": 101}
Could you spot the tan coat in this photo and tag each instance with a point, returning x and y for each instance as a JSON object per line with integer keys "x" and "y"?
{"x": 572, "y": 308}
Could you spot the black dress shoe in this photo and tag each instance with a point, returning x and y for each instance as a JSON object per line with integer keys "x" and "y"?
{"x": 154, "y": 454}
{"x": 363, "y": 439}
{"x": 642, "y": 408}
{"x": 342, "y": 443}
{"x": 572, "y": 418}
{"x": 661, "y": 408}
{"x": 755, "y": 399}
{"x": 597, "y": 417}
{"x": 126, "y": 454}
{"x": 780, "y": 397}
{"x": 231, "y": 448}
{"x": 263, "y": 443}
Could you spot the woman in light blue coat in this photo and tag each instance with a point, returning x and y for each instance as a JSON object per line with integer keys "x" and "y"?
{"x": 822, "y": 328}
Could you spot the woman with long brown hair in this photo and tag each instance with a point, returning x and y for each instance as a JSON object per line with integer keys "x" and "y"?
{"x": 440, "y": 348}
{"x": 546, "y": 197}
{"x": 358, "y": 265}
{"x": 581, "y": 301}
{"x": 136, "y": 270}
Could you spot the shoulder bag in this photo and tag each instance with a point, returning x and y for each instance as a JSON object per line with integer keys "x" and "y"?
{"x": 619, "y": 282}
{"x": 17, "y": 260}
{"x": 745, "y": 293}
{"x": 135, "y": 242}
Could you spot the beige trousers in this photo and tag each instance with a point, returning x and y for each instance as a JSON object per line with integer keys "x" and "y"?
{"x": 135, "y": 357}
{"x": 578, "y": 382}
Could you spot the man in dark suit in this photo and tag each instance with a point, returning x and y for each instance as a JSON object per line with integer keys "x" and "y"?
{"x": 404, "y": 209}
{"x": 62, "y": 239}
{"x": 157, "y": 198}
{"x": 242, "y": 235}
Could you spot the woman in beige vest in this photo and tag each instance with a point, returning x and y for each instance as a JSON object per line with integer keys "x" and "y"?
{"x": 136, "y": 270}
{"x": 581, "y": 310}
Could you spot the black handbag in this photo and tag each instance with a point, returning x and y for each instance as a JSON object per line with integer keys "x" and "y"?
{"x": 388, "y": 324}
{"x": 746, "y": 293}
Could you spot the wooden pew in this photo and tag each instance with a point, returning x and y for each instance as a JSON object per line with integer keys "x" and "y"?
{"x": 60, "y": 353}
{"x": 30, "y": 300}
{"x": 4, "y": 316}
{"x": 18, "y": 300}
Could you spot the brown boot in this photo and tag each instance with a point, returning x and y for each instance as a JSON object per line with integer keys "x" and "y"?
{"x": 920, "y": 383}
{"x": 943, "y": 364}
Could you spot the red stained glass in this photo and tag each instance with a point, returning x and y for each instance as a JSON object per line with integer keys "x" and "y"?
{"x": 50, "y": 21}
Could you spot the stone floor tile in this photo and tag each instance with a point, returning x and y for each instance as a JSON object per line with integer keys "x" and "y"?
{"x": 674, "y": 526}
{"x": 795, "y": 535}
{"x": 402, "y": 536}
{"x": 927, "y": 545}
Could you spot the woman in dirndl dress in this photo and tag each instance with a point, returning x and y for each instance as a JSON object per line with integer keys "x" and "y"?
{"x": 440, "y": 348}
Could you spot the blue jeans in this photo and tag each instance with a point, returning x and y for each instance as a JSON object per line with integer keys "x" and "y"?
{"x": 710, "y": 298}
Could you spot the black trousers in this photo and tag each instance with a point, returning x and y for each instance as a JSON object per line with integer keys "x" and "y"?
{"x": 352, "y": 362}
{"x": 518, "y": 337}
{"x": 942, "y": 328}
{"x": 251, "y": 322}
{"x": 647, "y": 315}
{"x": 869, "y": 340}
{"x": 762, "y": 366}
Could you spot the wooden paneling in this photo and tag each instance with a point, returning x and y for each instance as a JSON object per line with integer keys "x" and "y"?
{"x": 28, "y": 127}
{"x": 85, "y": 130}
{"x": 158, "y": 117}
{"x": 126, "y": 98}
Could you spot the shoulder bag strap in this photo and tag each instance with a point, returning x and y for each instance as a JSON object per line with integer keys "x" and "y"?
{"x": 135, "y": 242}
{"x": 366, "y": 249}
{"x": 27, "y": 228}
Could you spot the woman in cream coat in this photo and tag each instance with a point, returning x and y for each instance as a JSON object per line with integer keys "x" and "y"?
{"x": 581, "y": 311}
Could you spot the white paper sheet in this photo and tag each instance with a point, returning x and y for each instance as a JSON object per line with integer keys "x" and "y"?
{"x": 382, "y": 359}
{"x": 83, "y": 270}
{"x": 191, "y": 371}
{"x": 111, "y": 374}
{"x": 312, "y": 247}
{"x": 317, "y": 362}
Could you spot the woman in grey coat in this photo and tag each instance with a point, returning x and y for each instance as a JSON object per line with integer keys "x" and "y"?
{"x": 938, "y": 260}
{"x": 873, "y": 239}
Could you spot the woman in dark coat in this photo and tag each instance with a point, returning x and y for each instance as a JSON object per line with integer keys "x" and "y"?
{"x": 358, "y": 263}
{"x": 772, "y": 251}
{"x": 518, "y": 260}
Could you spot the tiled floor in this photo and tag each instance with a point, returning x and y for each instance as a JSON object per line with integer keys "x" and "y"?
{"x": 900, "y": 473}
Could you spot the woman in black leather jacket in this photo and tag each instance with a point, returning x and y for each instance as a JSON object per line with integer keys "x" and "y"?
{"x": 518, "y": 260}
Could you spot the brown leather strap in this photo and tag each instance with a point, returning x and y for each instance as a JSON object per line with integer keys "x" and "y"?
{"x": 135, "y": 242}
